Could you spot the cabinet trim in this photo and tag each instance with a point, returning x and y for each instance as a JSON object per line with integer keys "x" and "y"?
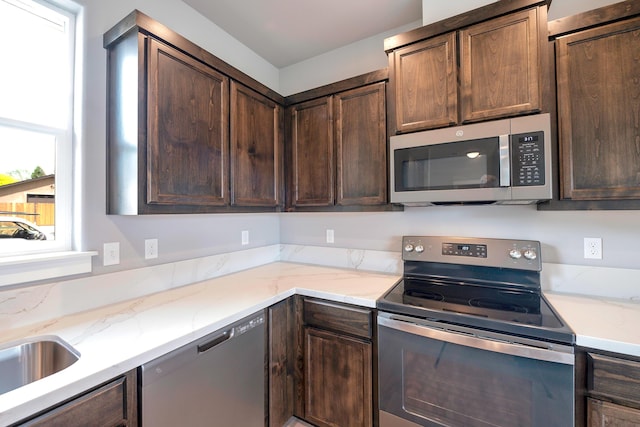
{"x": 472, "y": 17}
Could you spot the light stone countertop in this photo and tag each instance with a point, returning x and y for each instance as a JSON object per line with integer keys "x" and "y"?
{"x": 601, "y": 323}
{"x": 119, "y": 337}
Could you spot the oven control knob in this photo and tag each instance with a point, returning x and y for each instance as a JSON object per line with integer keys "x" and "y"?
{"x": 515, "y": 254}
{"x": 408, "y": 247}
{"x": 530, "y": 254}
{"x": 419, "y": 248}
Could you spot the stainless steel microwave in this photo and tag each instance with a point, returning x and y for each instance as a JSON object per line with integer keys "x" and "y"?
{"x": 500, "y": 162}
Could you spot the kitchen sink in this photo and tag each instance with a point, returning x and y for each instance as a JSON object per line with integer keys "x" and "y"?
{"x": 25, "y": 361}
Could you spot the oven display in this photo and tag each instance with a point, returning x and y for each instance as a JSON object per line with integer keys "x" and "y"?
{"x": 464, "y": 249}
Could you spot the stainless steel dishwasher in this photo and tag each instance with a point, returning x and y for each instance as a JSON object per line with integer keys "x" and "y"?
{"x": 217, "y": 380}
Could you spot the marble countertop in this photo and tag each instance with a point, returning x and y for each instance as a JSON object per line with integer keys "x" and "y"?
{"x": 119, "y": 337}
{"x": 600, "y": 323}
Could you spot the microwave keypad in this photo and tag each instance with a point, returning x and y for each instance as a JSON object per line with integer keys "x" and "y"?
{"x": 528, "y": 159}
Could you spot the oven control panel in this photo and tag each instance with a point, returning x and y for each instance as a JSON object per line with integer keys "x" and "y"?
{"x": 487, "y": 252}
{"x": 464, "y": 249}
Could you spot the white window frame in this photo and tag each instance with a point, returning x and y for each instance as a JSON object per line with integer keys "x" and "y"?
{"x": 55, "y": 258}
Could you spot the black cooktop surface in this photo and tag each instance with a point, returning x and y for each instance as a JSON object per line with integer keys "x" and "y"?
{"x": 512, "y": 310}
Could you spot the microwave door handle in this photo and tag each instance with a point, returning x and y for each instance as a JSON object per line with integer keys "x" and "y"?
{"x": 505, "y": 169}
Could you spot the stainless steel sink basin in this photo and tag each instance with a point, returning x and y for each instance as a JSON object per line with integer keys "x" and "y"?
{"x": 25, "y": 361}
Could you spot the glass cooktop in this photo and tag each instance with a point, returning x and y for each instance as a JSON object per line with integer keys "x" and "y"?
{"x": 522, "y": 312}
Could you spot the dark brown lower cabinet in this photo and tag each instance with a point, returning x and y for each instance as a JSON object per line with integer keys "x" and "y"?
{"x": 337, "y": 372}
{"x": 337, "y": 363}
{"x": 113, "y": 404}
{"x": 602, "y": 414}
{"x": 613, "y": 390}
{"x": 321, "y": 359}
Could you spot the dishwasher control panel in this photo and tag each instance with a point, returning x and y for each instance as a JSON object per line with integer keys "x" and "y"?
{"x": 248, "y": 325}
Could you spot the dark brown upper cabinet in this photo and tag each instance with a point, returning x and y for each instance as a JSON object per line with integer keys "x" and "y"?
{"x": 256, "y": 148}
{"x": 598, "y": 99}
{"x": 425, "y": 78}
{"x": 485, "y": 64}
{"x": 337, "y": 146}
{"x": 361, "y": 146}
{"x": 311, "y": 148}
{"x": 598, "y": 83}
{"x": 187, "y": 133}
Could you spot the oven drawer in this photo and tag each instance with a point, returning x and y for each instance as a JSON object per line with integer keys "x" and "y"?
{"x": 338, "y": 317}
{"x": 614, "y": 378}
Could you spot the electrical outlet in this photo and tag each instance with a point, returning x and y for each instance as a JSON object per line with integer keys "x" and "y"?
{"x": 150, "y": 248}
{"x": 330, "y": 236}
{"x": 245, "y": 237}
{"x": 592, "y": 248}
{"x": 111, "y": 254}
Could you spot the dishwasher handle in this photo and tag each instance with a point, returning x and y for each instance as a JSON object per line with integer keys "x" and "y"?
{"x": 215, "y": 341}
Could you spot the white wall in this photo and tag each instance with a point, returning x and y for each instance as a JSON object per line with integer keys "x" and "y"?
{"x": 560, "y": 233}
{"x": 180, "y": 236}
{"x": 187, "y": 236}
{"x": 352, "y": 60}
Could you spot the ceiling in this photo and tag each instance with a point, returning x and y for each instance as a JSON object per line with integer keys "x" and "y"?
{"x": 285, "y": 32}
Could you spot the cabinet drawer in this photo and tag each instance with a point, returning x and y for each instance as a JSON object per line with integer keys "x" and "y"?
{"x": 614, "y": 377}
{"x": 338, "y": 317}
{"x": 111, "y": 404}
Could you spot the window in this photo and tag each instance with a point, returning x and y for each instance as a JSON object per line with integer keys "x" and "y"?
{"x": 37, "y": 41}
{"x": 37, "y": 82}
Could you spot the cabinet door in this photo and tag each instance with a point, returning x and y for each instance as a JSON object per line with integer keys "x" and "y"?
{"x": 424, "y": 79}
{"x": 499, "y": 67}
{"x": 598, "y": 108}
{"x": 338, "y": 376}
{"x": 282, "y": 357}
{"x": 187, "y": 145}
{"x": 311, "y": 181}
{"x": 361, "y": 146}
{"x": 604, "y": 414}
{"x": 256, "y": 141}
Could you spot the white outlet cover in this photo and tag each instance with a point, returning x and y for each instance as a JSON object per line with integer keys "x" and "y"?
{"x": 592, "y": 248}
{"x": 150, "y": 248}
{"x": 245, "y": 237}
{"x": 111, "y": 254}
{"x": 330, "y": 236}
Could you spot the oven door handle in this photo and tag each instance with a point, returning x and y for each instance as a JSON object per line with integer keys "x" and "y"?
{"x": 410, "y": 326}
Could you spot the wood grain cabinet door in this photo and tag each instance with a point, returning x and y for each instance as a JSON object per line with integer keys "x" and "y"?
{"x": 338, "y": 377}
{"x": 598, "y": 78}
{"x": 424, "y": 76}
{"x": 499, "y": 67}
{"x": 605, "y": 414}
{"x": 311, "y": 177}
{"x": 361, "y": 146}
{"x": 256, "y": 148}
{"x": 187, "y": 146}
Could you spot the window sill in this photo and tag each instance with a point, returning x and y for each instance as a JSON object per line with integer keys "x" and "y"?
{"x": 15, "y": 270}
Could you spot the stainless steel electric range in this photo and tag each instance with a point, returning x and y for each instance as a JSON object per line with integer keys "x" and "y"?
{"x": 466, "y": 338}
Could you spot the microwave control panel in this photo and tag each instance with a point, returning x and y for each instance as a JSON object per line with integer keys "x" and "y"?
{"x": 527, "y": 159}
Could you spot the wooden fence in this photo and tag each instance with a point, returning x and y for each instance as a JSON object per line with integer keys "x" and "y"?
{"x": 42, "y": 214}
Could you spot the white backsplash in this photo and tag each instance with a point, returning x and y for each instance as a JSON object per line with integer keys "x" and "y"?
{"x": 616, "y": 283}
{"x": 33, "y": 304}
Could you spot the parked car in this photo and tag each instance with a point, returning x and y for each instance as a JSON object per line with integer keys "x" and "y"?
{"x": 18, "y": 228}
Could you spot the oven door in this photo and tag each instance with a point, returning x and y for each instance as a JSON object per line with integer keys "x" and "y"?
{"x": 438, "y": 377}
